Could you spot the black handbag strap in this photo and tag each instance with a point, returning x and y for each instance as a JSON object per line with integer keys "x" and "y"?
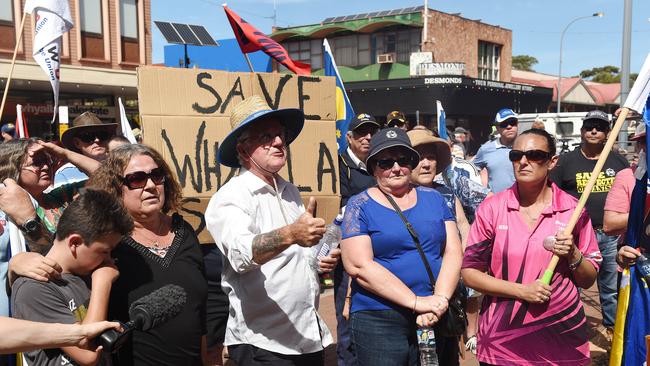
{"x": 415, "y": 237}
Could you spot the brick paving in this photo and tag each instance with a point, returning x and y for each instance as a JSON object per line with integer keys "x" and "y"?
{"x": 598, "y": 343}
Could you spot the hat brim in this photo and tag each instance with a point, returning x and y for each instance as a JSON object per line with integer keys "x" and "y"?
{"x": 70, "y": 133}
{"x": 415, "y": 156}
{"x": 292, "y": 119}
{"x": 368, "y": 122}
{"x": 443, "y": 151}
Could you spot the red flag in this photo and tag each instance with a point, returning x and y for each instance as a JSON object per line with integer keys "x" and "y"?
{"x": 251, "y": 40}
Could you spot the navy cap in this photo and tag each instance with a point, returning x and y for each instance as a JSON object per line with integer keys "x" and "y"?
{"x": 362, "y": 119}
{"x": 9, "y": 128}
{"x": 388, "y": 138}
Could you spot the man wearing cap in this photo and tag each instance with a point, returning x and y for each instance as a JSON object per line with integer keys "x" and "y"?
{"x": 397, "y": 119}
{"x": 459, "y": 147}
{"x": 8, "y": 131}
{"x": 259, "y": 223}
{"x": 493, "y": 155}
{"x": 354, "y": 179}
{"x": 571, "y": 174}
{"x": 89, "y": 136}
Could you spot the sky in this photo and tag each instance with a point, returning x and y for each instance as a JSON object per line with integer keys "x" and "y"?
{"x": 536, "y": 24}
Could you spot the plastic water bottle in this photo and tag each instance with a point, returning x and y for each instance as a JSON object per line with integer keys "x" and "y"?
{"x": 329, "y": 241}
{"x": 427, "y": 346}
{"x": 643, "y": 265}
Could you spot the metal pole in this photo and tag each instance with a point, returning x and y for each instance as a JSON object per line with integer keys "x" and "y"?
{"x": 625, "y": 66}
{"x": 250, "y": 66}
{"x": 425, "y": 28}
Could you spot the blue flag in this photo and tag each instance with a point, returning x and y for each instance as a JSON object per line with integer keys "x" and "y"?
{"x": 442, "y": 121}
{"x": 344, "y": 111}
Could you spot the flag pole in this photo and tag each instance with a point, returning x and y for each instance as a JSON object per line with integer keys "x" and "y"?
{"x": 250, "y": 66}
{"x": 13, "y": 63}
{"x": 548, "y": 274}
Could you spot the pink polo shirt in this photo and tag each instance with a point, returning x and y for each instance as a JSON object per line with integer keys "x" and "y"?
{"x": 514, "y": 332}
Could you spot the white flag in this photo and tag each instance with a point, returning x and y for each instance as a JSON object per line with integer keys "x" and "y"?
{"x": 638, "y": 96}
{"x": 20, "y": 122}
{"x": 125, "y": 125}
{"x": 52, "y": 20}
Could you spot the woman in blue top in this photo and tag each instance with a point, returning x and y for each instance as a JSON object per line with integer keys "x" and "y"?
{"x": 390, "y": 283}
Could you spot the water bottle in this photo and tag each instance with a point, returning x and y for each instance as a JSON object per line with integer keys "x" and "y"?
{"x": 643, "y": 265}
{"x": 329, "y": 241}
{"x": 427, "y": 346}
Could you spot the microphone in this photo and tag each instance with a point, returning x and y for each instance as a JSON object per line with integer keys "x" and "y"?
{"x": 146, "y": 313}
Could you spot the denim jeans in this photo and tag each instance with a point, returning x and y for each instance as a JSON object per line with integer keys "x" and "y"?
{"x": 384, "y": 338}
{"x": 607, "y": 277}
{"x": 344, "y": 348}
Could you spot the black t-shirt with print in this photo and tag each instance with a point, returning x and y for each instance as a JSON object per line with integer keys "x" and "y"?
{"x": 573, "y": 171}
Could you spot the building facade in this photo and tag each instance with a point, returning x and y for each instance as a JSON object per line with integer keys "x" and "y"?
{"x": 99, "y": 56}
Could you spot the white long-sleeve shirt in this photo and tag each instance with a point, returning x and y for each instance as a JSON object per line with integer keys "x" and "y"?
{"x": 272, "y": 306}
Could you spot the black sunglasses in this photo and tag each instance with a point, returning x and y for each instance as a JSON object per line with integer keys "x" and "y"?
{"x": 90, "y": 136}
{"x": 508, "y": 122}
{"x": 531, "y": 155}
{"x": 402, "y": 161}
{"x": 599, "y": 126}
{"x": 139, "y": 179}
{"x": 40, "y": 160}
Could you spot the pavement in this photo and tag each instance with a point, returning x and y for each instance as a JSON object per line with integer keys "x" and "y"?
{"x": 599, "y": 344}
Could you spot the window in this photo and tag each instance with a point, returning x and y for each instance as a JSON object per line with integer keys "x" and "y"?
{"x": 91, "y": 25}
{"x": 307, "y": 51}
{"x": 7, "y": 29}
{"x": 402, "y": 42}
{"x": 489, "y": 59}
{"x": 129, "y": 31}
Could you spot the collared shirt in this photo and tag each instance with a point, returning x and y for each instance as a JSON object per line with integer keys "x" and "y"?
{"x": 68, "y": 173}
{"x": 501, "y": 244}
{"x": 360, "y": 164}
{"x": 493, "y": 156}
{"x": 273, "y": 305}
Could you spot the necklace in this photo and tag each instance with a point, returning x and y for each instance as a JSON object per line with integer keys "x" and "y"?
{"x": 156, "y": 247}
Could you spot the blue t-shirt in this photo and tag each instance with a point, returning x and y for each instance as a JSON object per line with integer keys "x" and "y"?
{"x": 392, "y": 245}
{"x": 494, "y": 156}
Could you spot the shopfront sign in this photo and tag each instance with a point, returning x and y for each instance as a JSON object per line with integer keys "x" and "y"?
{"x": 441, "y": 68}
{"x": 41, "y": 109}
{"x": 447, "y": 80}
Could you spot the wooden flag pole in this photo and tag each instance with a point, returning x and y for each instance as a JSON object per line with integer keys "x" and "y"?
{"x": 13, "y": 63}
{"x": 548, "y": 274}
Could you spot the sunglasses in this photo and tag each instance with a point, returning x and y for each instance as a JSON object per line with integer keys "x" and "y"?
{"x": 599, "y": 126}
{"x": 402, "y": 161}
{"x": 90, "y": 136}
{"x": 138, "y": 180}
{"x": 531, "y": 155}
{"x": 510, "y": 122}
{"x": 41, "y": 160}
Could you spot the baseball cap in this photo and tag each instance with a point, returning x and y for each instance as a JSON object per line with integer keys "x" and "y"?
{"x": 597, "y": 115}
{"x": 395, "y": 116}
{"x": 9, "y": 128}
{"x": 505, "y": 114}
{"x": 460, "y": 130}
{"x": 388, "y": 138}
{"x": 362, "y": 119}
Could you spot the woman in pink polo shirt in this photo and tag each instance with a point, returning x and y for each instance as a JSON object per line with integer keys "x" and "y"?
{"x": 523, "y": 321}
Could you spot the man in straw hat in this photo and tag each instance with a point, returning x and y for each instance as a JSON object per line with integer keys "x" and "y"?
{"x": 259, "y": 223}
{"x": 89, "y": 136}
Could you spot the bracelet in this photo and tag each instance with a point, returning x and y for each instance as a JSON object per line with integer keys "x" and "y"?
{"x": 576, "y": 264}
{"x": 415, "y": 303}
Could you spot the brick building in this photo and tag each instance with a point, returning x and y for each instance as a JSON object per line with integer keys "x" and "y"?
{"x": 110, "y": 38}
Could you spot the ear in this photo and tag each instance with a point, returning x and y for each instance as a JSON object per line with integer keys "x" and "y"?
{"x": 553, "y": 162}
{"x": 242, "y": 151}
{"x": 74, "y": 241}
{"x": 77, "y": 143}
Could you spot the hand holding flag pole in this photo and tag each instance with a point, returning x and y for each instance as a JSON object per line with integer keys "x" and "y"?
{"x": 635, "y": 101}
{"x": 13, "y": 63}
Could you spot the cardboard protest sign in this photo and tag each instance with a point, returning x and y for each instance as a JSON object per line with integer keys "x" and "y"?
{"x": 185, "y": 113}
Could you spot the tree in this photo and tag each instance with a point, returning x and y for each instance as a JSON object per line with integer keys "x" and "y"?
{"x": 523, "y": 62}
{"x": 607, "y": 75}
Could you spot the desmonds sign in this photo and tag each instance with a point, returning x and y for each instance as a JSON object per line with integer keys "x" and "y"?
{"x": 441, "y": 68}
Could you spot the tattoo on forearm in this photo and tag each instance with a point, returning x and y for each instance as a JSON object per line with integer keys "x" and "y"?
{"x": 267, "y": 243}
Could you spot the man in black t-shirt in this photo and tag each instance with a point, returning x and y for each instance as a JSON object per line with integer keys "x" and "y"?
{"x": 571, "y": 174}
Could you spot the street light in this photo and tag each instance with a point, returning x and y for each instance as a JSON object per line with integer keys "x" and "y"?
{"x": 559, "y": 74}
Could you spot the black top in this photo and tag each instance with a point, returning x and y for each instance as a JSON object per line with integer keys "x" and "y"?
{"x": 572, "y": 172}
{"x": 354, "y": 180}
{"x": 178, "y": 341}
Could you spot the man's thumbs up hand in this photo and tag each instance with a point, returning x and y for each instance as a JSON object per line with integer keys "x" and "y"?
{"x": 308, "y": 230}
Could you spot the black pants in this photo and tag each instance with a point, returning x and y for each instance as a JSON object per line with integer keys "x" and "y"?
{"x": 249, "y": 355}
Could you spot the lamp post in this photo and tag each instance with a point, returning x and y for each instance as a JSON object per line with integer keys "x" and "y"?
{"x": 559, "y": 74}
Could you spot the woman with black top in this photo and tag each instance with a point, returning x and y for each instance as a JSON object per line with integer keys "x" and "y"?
{"x": 163, "y": 249}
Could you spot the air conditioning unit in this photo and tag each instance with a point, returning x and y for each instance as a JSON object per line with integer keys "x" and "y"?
{"x": 386, "y": 58}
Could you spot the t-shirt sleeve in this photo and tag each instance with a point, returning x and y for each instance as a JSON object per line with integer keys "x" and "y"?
{"x": 354, "y": 220}
{"x": 478, "y": 254}
{"x": 40, "y": 302}
{"x": 585, "y": 240}
{"x": 618, "y": 197}
{"x": 479, "y": 159}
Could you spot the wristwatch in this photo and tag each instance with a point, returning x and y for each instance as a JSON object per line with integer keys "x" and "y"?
{"x": 31, "y": 226}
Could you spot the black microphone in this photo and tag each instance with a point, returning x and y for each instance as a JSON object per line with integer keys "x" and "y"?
{"x": 146, "y": 313}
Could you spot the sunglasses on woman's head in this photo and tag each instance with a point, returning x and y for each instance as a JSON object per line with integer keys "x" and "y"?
{"x": 90, "y": 136}
{"x": 138, "y": 180}
{"x": 531, "y": 155}
{"x": 388, "y": 163}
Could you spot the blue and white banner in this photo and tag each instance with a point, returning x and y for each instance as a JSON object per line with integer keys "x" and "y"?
{"x": 344, "y": 111}
{"x": 442, "y": 121}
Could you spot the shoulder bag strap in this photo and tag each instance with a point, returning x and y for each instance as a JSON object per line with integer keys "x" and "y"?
{"x": 415, "y": 237}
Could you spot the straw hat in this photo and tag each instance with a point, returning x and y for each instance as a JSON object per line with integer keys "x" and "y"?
{"x": 443, "y": 152}
{"x": 253, "y": 109}
{"x": 84, "y": 122}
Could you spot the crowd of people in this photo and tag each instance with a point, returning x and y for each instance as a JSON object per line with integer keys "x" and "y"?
{"x": 91, "y": 225}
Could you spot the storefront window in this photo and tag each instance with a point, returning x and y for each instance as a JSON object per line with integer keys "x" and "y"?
{"x": 92, "y": 40}
{"x": 489, "y": 60}
{"x": 401, "y": 42}
{"x": 129, "y": 18}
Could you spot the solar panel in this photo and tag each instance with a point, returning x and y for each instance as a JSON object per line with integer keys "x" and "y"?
{"x": 328, "y": 20}
{"x": 170, "y": 34}
{"x": 203, "y": 35}
{"x": 186, "y": 34}
{"x": 376, "y": 14}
